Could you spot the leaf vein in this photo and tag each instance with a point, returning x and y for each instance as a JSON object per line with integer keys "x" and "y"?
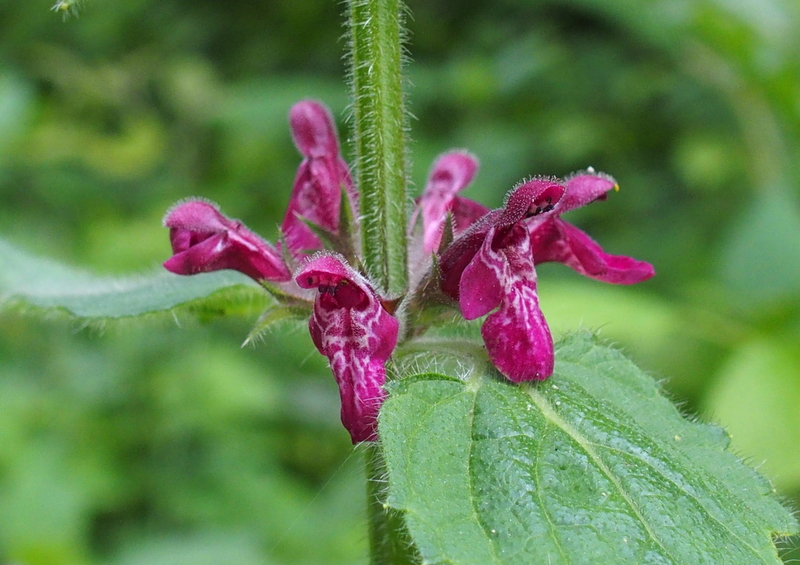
{"x": 550, "y": 414}
{"x": 690, "y": 495}
{"x": 471, "y": 482}
{"x": 542, "y": 505}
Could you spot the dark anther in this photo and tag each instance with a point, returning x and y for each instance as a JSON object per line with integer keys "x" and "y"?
{"x": 328, "y": 289}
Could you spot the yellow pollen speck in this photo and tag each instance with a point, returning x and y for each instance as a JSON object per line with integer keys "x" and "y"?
{"x": 616, "y": 188}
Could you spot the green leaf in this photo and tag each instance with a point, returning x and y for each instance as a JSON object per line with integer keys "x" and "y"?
{"x": 591, "y": 466}
{"x": 28, "y": 281}
{"x": 272, "y": 316}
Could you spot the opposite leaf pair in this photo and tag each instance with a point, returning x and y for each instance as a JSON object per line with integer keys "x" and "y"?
{"x": 486, "y": 264}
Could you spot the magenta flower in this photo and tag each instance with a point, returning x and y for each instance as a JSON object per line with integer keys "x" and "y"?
{"x": 204, "y": 240}
{"x": 553, "y": 239}
{"x": 450, "y": 174}
{"x": 491, "y": 266}
{"x": 317, "y": 191}
{"x": 349, "y": 325}
{"x": 488, "y": 268}
{"x": 357, "y": 335}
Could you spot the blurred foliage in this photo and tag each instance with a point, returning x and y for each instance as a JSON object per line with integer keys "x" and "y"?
{"x": 151, "y": 443}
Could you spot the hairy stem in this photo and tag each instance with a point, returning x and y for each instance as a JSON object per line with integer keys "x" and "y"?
{"x": 389, "y": 543}
{"x": 379, "y": 137}
{"x": 376, "y": 34}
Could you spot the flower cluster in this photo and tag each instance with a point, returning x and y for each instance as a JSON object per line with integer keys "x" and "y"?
{"x": 485, "y": 262}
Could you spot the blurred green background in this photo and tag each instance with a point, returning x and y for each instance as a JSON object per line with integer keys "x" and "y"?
{"x": 151, "y": 442}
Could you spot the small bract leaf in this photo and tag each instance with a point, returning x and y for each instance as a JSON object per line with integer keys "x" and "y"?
{"x": 448, "y": 234}
{"x": 344, "y": 241}
{"x": 272, "y": 316}
{"x": 28, "y": 281}
{"x": 591, "y": 466}
{"x": 348, "y": 226}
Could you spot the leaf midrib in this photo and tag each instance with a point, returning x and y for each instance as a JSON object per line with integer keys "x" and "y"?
{"x": 553, "y": 418}
{"x": 697, "y": 500}
{"x": 475, "y": 515}
{"x": 471, "y": 483}
{"x": 545, "y": 511}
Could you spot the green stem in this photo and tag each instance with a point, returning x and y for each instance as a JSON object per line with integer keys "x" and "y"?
{"x": 389, "y": 542}
{"x": 379, "y": 138}
{"x": 376, "y": 46}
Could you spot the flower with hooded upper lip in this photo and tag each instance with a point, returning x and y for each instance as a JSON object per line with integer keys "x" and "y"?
{"x": 322, "y": 175}
{"x": 205, "y": 240}
{"x": 492, "y": 266}
{"x": 553, "y": 239}
{"x": 348, "y": 322}
{"x": 450, "y": 174}
{"x": 488, "y": 267}
{"x": 352, "y": 329}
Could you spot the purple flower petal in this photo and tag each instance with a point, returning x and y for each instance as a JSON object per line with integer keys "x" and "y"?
{"x": 459, "y": 254}
{"x": 490, "y": 268}
{"x": 317, "y": 190}
{"x": 585, "y": 187}
{"x": 517, "y": 337}
{"x": 531, "y": 199}
{"x": 553, "y": 239}
{"x": 312, "y": 129}
{"x": 357, "y": 335}
{"x": 204, "y": 240}
{"x": 465, "y": 213}
{"x": 535, "y": 198}
{"x": 557, "y": 240}
{"x": 450, "y": 174}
